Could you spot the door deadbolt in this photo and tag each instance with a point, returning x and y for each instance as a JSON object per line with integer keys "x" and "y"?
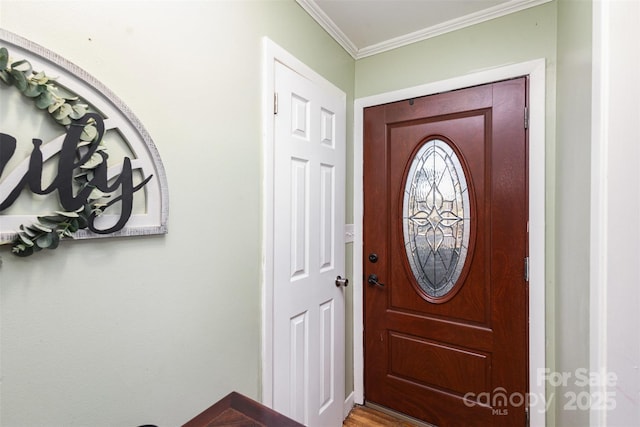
{"x": 373, "y": 258}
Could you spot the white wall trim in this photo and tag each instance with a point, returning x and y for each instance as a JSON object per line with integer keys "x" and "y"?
{"x": 497, "y": 11}
{"x": 536, "y": 70}
{"x": 615, "y": 209}
{"x": 312, "y": 8}
{"x": 270, "y": 52}
{"x": 349, "y": 403}
{"x": 356, "y": 52}
{"x": 599, "y": 203}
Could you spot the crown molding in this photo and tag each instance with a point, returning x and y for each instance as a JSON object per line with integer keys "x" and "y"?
{"x": 455, "y": 24}
{"x": 329, "y": 26}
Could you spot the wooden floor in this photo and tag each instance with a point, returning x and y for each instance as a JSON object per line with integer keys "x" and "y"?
{"x": 361, "y": 416}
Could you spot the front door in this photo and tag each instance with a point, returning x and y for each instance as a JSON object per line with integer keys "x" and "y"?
{"x": 445, "y": 243}
{"x": 308, "y": 297}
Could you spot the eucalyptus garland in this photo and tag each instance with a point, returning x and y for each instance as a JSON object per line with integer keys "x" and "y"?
{"x": 67, "y": 111}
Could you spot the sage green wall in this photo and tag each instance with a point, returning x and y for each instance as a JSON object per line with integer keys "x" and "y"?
{"x": 572, "y": 205}
{"x": 138, "y": 330}
{"x": 153, "y": 330}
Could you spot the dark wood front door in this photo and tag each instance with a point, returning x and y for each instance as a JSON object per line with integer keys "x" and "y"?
{"x": 445, "y": 241}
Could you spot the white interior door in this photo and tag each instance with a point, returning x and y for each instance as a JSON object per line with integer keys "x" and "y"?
{"x": 308, "y": 306}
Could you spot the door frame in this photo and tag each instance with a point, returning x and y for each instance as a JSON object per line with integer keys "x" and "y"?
{"x": 536, "y": 70}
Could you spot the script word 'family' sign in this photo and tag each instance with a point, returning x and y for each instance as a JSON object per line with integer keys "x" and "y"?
{"x": 72, "y": 152}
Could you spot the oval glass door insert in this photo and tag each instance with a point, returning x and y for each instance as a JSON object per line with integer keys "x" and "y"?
{"x": 436, "y": 222}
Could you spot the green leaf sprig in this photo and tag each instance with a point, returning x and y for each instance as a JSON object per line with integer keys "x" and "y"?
{"x": 48, "y": 230}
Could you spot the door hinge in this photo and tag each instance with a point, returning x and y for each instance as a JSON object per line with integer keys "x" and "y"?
{"x": 526, "y": 269}
{"x": 526, "y": 117}
{"x": 275, "y": 103}
{"x": 526, "y": 411}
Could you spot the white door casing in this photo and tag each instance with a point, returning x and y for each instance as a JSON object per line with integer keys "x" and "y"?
{"x": 303, "y": 361}
{"x": 535, "y": 69}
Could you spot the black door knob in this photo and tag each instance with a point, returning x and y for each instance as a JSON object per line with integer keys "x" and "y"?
{"x": 373, "y": 280}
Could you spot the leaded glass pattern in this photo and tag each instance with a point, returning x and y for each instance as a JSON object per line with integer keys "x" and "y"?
{"x": 435, "y": 216}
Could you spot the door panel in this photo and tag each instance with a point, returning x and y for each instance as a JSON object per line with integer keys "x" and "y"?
{"x": 470, "y": 303}
{"x": 308, "y": 308}
{"x": 432, "y": 355}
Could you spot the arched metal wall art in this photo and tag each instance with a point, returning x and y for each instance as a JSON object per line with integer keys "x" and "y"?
{"x": 74, "y": 160}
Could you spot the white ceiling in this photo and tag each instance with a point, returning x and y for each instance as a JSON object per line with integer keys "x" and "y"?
{"x": 367, "y": 27}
